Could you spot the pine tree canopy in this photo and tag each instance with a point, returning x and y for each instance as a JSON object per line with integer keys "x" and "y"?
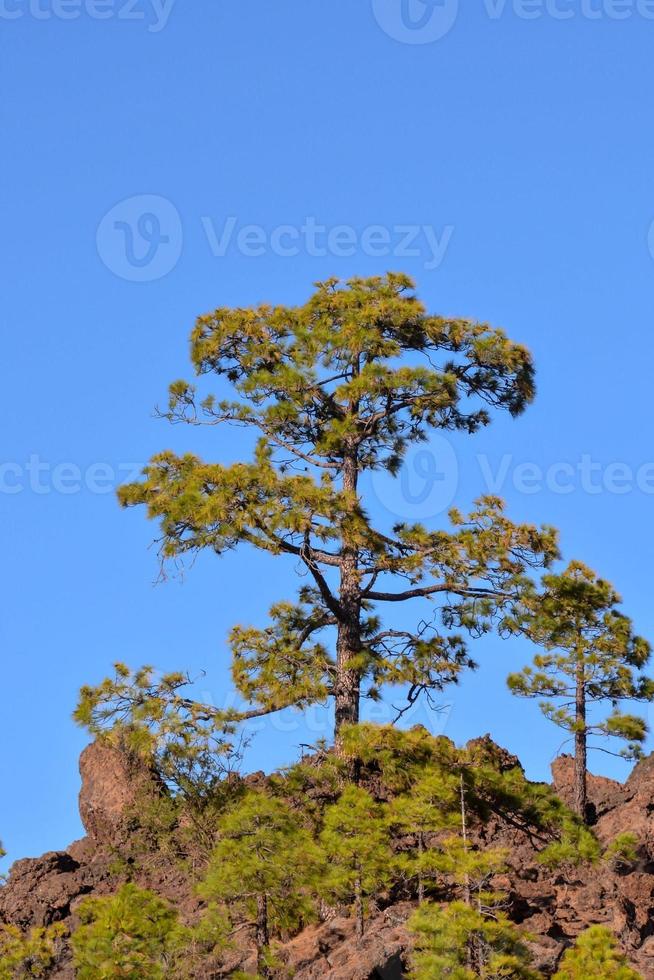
{"x": 31, "y": 954}
{"x": 460, "y": 943}
{"x": 591, "y": 655}
{"x": 339, "y": 386}
{"x": 595, "y": 954}
{"x": 133, "y": 934}
{"x": 263, "y": 853}
{"x": 356, "y": 843}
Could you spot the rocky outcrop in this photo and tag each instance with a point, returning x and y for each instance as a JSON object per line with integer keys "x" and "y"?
{"x": 604, "y": 794}
{"x": 333, "y": 950}
{"x": 114, "y": 784}
{"x": 553, "y": 907}
{"x": 42, "y": 890}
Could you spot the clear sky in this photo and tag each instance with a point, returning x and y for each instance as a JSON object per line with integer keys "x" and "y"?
{"x": 507, "y": 165}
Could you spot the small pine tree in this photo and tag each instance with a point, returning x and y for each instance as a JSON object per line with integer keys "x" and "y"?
{"x": 429, "y": 809}
{"x": 263, "y": 869}
{"x": 592, "y": 656}
{"x": 460, "y": 943}
{"x": 470, "y": 872}
{"x": 133, "y": 934}
{"x": 30, "y": 954}
{"x": 357, "y": 848}
{"x": 595, "y": 954}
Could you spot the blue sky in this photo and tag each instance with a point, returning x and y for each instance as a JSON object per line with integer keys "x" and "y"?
{"x": 506, "y": 165}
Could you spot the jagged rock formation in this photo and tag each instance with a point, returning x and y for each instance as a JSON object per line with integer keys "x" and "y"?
{"x": 554, "y": 907}
{"x": 113, "y": 783}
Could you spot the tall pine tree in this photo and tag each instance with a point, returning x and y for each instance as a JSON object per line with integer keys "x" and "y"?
{"x": 333, "y": 389}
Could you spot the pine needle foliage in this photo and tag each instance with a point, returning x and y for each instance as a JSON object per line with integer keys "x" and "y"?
{"x": 31, "y": 954}
{"x": 457, "y": 942}
{"x": 343, "y": 385}
{"x": 263, "y": 871}
{"x": 595, "y": 954}
{"x": 356, "y": 844}
{"x": 592, "y": 656}
{"x": 133, "y": 934}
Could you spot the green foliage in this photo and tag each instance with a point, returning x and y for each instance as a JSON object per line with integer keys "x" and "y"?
{"x": 190, "y": 744}
{"x": 263, "y": 853}
{"x": 623, "y": 850}
{"x": 591, "y": 652}
{"x": 356, "y": 843}
{"x": 471, "y": 870}
{"x": 596, "y": 955}
{"x": 431, "y": 808}
{"x": 576, "y": 846}
{"x": 460, "y": 943}
{"x": 30, "y": 954}
{"x": 400, "y": 757}
{"x": 133, "y": 934}
{"x": 338, "y": 386}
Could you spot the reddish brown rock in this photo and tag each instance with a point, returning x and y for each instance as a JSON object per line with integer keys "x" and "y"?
{"x": 113, "y": 783}
{"x": 603, "y": 794}
{"x": 554, "y": 907}
{"x": 42, "y": 890}
{"x": 332, "y": 951}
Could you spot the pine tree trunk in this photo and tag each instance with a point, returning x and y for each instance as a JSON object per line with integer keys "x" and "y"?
{"x": 358, "y": 907}
{"x": 467, "y": 892}
{"x": 347, "y": 687}
{"x": 262, "y": 936}
{"x": 421, "y": 880}
{"x": 581, "y": 749}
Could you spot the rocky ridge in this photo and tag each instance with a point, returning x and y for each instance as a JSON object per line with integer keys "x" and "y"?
{"x": 553, "y": 907}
